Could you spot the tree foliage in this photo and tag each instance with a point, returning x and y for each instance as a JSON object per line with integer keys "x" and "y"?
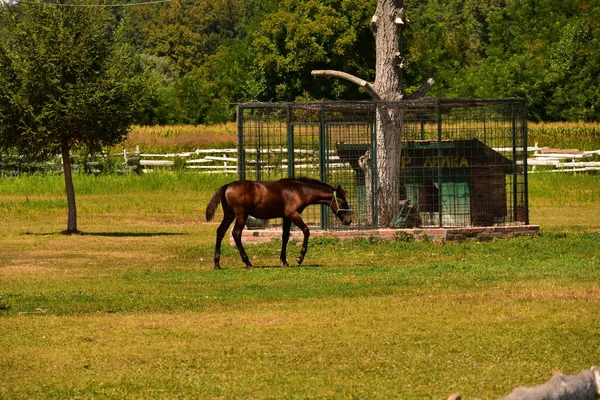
{"x": 314, "y": 34}
{"x": 544, "y": 51}
{"x": 233, "y": 50}
{"x": 206, "y": 55}
{"x": 204, "y": 45}
{"x": 64, "y": 81}
{"x": 444, "y": 38}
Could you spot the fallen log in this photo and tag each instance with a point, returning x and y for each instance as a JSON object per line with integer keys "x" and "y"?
{"x": 583, "y": 386}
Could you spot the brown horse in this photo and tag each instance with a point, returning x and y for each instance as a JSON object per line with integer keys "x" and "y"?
{"x": 285, "y": 198}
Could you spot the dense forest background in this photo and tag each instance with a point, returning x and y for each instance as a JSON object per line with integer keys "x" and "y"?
{"x": 206, "y": 55}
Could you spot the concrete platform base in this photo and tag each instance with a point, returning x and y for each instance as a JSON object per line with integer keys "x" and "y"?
{"x": 439, "y": 235}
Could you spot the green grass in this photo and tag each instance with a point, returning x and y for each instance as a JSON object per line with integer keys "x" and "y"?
{"x": 564, "y": 201}
{"x": 132, "y": 309}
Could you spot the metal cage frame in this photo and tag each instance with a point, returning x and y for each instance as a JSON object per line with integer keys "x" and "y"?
{"x": 463, "y": 161}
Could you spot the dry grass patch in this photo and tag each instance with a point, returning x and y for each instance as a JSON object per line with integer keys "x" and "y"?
{"x": 177, "y": 138}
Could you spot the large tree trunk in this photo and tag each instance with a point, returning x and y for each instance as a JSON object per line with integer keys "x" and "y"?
{"x": 388, "y": 133}
{"x": 67, "y": 172}
{"x": 387, "y": 26}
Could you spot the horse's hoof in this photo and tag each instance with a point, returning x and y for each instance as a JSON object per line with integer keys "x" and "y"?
{"x": 286, "y": 265}
{"x": 249, "y": 266}
{"x": 299, "y": 260}
{"x": 217, "y": 267}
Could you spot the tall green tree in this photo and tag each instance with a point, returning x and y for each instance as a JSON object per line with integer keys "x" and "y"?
{"x": 184, "y": 31}
{"x": 315, "y": 34}
{"x": 545, "y": 51}
{"x": 66, "y": 82}
{"x": 444, "y": 38}
{"x": 228, "y": 76}
{"x": 204, "y": 45}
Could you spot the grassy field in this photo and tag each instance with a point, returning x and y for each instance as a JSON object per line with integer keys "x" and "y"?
{"x": 132, "y": 309}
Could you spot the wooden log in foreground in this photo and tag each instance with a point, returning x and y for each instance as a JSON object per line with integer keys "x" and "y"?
{"x": 583, "y": 386}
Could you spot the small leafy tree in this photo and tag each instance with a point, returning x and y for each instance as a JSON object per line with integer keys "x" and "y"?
{"x": 66, "y": 82}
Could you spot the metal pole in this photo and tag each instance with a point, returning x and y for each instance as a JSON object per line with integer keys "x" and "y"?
{"x": 290, "y": 142}
{"x": 241, "y": 156}
{"x": 323, "y": 163}
{"x": 515, "y": 174}
{"x": 439, "y": 162}
{"x": 525, "y": 176}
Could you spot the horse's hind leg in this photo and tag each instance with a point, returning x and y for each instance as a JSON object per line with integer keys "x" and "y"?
{"x": 238, "y": 227}
{"x": 285, "y": 237}
{"x": 221, "y": 231}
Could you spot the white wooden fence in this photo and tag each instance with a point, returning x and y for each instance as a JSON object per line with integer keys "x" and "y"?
{"x": 562, "y": 160}
{"x": 541, "y": 159}
{"x": 225, "y": 160}
{"x": 202, "y": 160}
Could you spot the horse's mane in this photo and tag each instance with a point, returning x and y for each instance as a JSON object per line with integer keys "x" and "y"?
{"x": 312, "y": 181}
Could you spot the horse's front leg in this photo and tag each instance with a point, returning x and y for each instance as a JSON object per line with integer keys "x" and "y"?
{"x": 285, "y": 237}
{"x": 297, "y": 220}
{"x": 236, "y": 232}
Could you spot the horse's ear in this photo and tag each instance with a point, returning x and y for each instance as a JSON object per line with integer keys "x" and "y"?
{"x": 338, "y": 188}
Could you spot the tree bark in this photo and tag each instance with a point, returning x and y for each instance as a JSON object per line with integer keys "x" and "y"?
{"x": 389, "y": 84}
{"x": 70, "y": 189}
{"x": 422, "y": 90}
{"x": 365, "y": 163}
{"x": 389, "y": 80}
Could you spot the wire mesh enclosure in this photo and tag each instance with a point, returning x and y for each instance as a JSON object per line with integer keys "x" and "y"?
{"x": 462, "y": 164}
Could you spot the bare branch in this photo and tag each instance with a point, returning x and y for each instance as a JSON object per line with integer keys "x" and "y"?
{"x": 422, "y": 90}
{"x": 343, "y": 75}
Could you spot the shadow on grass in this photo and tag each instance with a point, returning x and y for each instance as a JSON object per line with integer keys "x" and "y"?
{"x": 279, "y": 266}
{"x": 132, "y": 234}
{"x": 271, "y": 266}
{"x": 109, "y": 234}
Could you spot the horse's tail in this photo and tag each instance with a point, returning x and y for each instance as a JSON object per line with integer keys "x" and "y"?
{"x": 214, "y": 202}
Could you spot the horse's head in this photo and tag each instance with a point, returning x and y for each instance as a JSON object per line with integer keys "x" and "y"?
{"x": 339, "y": 206}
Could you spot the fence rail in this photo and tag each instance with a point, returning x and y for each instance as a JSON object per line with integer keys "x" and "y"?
{"x": 541, "y": 159}
{"x": 562, "y": 160}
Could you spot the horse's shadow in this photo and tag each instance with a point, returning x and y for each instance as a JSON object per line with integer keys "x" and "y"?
{"x": 279, "y": 266}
